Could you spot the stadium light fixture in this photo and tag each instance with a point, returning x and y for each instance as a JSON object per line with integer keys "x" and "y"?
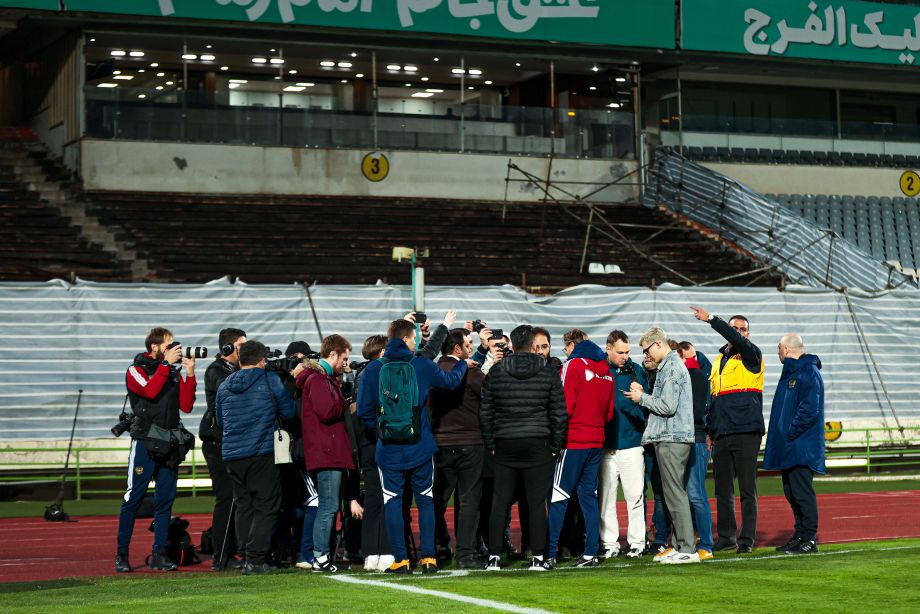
{"x": 118, "y": 53}
{"x": 189, "y": 56}
{"x": 158, "y": 88}
{"x": 295, "y": 88}
{"x": 207, "y": 57}
{"x": 170, "y": 83}
{"x": 488, "y": 82}
{"x": 207, "y": 46}
{"x": 475, "y": 71}
{"x": 136, "y": 54}
{"x": 292, "y": 72}
{"x": 435, "y": 91}
{"x": 394, "y": 67}
{"x": 595, "y": 68}
{"x": 327, "y": 64}
{"x": 305, "y": 84}
{"x": 410, "y": 68}
{"x": 155, "y": 65}
{"x": 593, "y": 88}
{"x": 142, "y": 96}
{"x": 123, "y": 77}
{"x": 233, "y": 86}
{"x": 238, "y": 81}
{"x": 614, "y": 105}
{"x": 422, "y": 95}
{"x": 424, "y": 78}
{"x": 276, "y": 61}
{"x": 457, "y": 71}
{"x": 360, "y": 75}
{"x": 345, "y": 64}
{"x": 107, "y": 85}
{"x": 353, "y": 54}
{"x": 225, "y": 68}
{"x": 116, "y": 72}
{"x": 621, "y": 79}
{"x": 259, "y": 60}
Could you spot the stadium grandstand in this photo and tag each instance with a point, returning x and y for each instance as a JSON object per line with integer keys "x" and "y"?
{"x": 298, "y": 168}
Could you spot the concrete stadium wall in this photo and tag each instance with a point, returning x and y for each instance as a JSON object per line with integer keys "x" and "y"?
{"x": 812, "y": 179}
{"x": 233, "y": 169}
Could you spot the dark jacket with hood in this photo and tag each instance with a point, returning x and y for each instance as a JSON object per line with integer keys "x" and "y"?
{"x": 404, "y": 456}
{"x": 322, "y": 416}
{"x": 522, "y": 398}
{"x": 248, "y": 405}
{"x": 796, "y": 435}
{"x": 589, "y": 396}
{"x": 629, "y": 419}
{"x": 217, "y": 372}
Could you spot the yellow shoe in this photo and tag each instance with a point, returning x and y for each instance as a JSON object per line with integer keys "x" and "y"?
{"x": 663, "y": 554}
{"x": 399, "y": 567}
{"x": 429, "y": 565}
{"x": 705, "y": 555}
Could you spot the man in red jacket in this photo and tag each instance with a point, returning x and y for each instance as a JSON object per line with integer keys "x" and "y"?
{"x": 325, "y": 440}
{"x": 589, "y": 394}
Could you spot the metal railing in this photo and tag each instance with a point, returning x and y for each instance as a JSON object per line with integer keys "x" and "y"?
{"x": 888, "y": 448}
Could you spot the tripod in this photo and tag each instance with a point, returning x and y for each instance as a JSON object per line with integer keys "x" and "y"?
{"x": 55, "y": 512}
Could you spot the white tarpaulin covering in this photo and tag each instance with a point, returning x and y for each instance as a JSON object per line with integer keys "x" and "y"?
{"x": 56, "y": 338}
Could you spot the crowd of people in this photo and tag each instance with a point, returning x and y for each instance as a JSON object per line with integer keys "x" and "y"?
{"x": 467, "y": 421}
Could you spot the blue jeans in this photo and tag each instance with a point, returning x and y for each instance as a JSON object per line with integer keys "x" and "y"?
{"x": 576, "y": 470}
{"x": 421, "y": 479}
{"x": 659, "y": 515}
{"x": 695, "y": 483}
{"x": 328, "y": 487}
{"x": 141, "y": 469}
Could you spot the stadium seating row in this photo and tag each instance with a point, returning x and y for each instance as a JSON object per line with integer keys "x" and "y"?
{"x": 783, "y": 156}
{"x": 888, "y": 228}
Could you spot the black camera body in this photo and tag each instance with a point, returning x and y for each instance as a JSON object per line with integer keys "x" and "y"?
{"x": 125, "y": 422}
{"x": 275, "y": 361}
{"x": 478, "y": 325}
{"x": 503, "y": 348}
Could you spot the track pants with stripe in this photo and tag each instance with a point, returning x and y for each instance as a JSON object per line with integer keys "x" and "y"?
{"x": 576, "y": 471}
{"x": 421, "y": 479}
{"x": 142, "y": 469}
{"x": 311, "y": 506}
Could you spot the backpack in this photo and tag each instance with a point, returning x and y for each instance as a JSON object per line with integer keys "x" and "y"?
{"x": 398, "y": 412}
{"x": 179, "y": 547}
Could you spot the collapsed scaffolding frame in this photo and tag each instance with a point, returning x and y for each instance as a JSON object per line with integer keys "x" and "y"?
{"x": 560, "y": 193}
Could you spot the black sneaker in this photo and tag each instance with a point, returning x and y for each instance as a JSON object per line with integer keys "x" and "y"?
{"x": 161, "y": 562}
{"x": 538, "y": 564}
{"x": 494, "y": 563}
{"x": 656, "y": 549}
{"x": 121, "y": 563}
{"x": 469, "y": 562}
{"x": 509, "y": 550}
{"x": 792, "y": 543}
{"x": 804, "y": 547}
{"x": 549, "y": 564}
{"x": 590, "y": 561}
{"x": 744, "y": 550}
{"x": 429, "y": 565}
{"x": 723, "y": 545}
{"x": 324, "y": 564}
{"x": 252, "y": 570}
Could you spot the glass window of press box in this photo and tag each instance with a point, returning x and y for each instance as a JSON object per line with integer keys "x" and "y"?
{"x": 201, "y": 91}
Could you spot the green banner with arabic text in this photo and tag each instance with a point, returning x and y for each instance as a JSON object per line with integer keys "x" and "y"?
{"x": 604, "y": 22}
{"x": 818, "y": 29}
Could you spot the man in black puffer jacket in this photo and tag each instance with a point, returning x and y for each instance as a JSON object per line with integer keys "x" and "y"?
{"x": 523, "y": 419}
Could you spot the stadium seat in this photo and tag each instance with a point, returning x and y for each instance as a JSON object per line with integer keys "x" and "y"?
{"x": 899, "y": 160}
{"x": 709, "y": 154}
{"x": 860, "y": 159}
{"x": 723, "y": 154}
{"x": 873, "y": 159}
{"x": 846, "y": 158}
{"x": 738, "y": 154}
{"x": 820, "y": 157}
{"x": 806, "y": 157}
{"x": 765, "y": 155}
{"x": 833, "y": 158}
{"x": 694, "y": 153}
{"x": 752, "y": 155}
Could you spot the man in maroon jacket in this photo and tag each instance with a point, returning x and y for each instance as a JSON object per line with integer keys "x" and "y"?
{"x": 458, "y": 463}
{"x": 589, "y": 398}
{"x": 325, "y": 440}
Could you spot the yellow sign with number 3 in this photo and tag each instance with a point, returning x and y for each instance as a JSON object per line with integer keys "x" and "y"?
{"x": 910, "y": 183}
{"x": 375, "y": 166}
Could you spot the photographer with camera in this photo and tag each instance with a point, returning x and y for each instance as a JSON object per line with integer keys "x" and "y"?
{"x": 229, "y": 341}
{"x": 250, "y": 403}
{"x": 157, "y": 392}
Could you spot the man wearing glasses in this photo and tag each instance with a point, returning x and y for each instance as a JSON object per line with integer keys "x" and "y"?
{"x": 735, "y": 428}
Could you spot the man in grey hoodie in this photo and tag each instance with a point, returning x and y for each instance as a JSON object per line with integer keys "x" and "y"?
{"x": 670, "y": 430}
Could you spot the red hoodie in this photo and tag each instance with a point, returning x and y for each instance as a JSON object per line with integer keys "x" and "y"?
{"x": 589, "y": 395}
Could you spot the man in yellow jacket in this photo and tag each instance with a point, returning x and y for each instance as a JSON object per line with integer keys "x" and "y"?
{"x": 735, "y": 427}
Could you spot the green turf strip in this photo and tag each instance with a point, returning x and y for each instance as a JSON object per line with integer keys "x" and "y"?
{"x": 869, "y": 576}
{"x": 205, "y": 505}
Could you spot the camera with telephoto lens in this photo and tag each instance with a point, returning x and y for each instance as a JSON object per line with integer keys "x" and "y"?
{"x": 275, "y": 361}
{"x": 125, "y": 421}
{"x": 190, "y": 352}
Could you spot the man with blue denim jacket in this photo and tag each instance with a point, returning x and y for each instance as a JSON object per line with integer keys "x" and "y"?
{"x": 670, "y": 429}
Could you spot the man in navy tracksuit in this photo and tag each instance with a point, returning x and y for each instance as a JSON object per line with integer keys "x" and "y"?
{"x": 398, "y": 462}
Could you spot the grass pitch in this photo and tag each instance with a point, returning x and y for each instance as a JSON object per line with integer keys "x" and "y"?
{"x": 869, "y": 576}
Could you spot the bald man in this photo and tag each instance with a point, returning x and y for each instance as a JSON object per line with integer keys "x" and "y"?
{"x": 795, "y": 440}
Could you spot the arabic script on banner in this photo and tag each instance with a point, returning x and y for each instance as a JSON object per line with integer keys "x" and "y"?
{"x": 829, "y": 26}
{"x": 516, "y": 16}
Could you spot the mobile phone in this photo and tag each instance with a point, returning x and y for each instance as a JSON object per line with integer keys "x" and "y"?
{"x": 497, "y": 333}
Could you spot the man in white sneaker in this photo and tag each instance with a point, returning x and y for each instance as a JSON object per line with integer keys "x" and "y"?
{"x": 670, "y": 429}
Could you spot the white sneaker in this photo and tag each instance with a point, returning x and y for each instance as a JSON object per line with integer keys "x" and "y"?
{"x": 372, "y": 562}
{"x": 494, "y": 564}
{"x": 664, "y": 554}
{"x": 304, "y": 565}
{"x": 536, "y": 564}
{"x": 634, "y": 553}
{"x": 681, "y": 558}
{"x": 384, "y": 562}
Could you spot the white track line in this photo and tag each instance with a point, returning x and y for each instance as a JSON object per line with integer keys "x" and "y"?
{"x": 484, "y": 603}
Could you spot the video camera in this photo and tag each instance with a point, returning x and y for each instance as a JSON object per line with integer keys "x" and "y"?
{"x": 276, "y": 361}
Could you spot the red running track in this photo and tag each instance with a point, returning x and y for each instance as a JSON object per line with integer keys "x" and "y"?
{"x": 32, "y": 549}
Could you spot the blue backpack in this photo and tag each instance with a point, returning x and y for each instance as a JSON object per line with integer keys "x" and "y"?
{"x": 398, "y": 415}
